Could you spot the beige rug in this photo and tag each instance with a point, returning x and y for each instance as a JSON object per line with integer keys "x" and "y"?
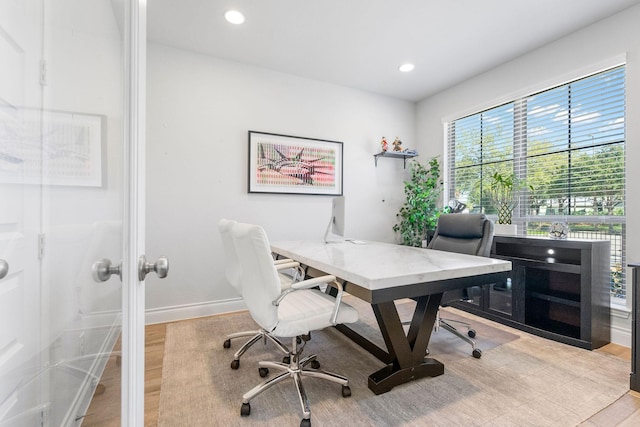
{"x": 521, "y": 380}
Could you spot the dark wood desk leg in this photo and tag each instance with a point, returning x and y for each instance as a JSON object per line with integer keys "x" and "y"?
{"x": 393, "y": 333}
{"x": 422, "y": 325}
{"x": 406, "y": 351}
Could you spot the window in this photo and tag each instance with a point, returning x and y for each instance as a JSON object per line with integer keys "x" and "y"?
{"x": 568, "y": 143}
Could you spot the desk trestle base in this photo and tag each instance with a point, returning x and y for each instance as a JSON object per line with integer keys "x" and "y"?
{"x": 386, "y": 378}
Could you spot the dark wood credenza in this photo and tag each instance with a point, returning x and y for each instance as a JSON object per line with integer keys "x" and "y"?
{"x": 557, "y": 289}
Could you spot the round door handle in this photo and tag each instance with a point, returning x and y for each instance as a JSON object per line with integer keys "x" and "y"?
{"x": 161, "y": 267}
{"x": 103, "y": 269}
{"x": 4, "y": 268}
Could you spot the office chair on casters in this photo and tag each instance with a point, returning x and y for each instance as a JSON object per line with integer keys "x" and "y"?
{"x": 232, "y": 271}
{"x": 291, "y": 314}
{"x": 470, "y": 234}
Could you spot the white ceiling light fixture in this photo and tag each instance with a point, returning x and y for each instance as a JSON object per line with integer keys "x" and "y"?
{"x": 405, "y": 68}
{"x": 234, "y": 17}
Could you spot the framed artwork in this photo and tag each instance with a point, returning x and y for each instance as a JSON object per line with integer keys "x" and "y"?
{"x": 294, "y": 165}
{"x": 51, "y": 147}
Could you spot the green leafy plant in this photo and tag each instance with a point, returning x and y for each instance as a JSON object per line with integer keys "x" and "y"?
{"x": 420, "y": 212}
{"x": 504, "y": 189}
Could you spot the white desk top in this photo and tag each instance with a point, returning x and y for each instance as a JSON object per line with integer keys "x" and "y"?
{"x": 374, "y": 265}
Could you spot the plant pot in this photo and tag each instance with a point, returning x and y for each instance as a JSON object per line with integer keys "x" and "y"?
{"x": 505, "y": 211}
{"x": 505, "y": 229}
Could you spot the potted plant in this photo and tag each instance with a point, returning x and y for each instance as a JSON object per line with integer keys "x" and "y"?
{"x": 504, "y": 190}
{"x": 419, "y": 214}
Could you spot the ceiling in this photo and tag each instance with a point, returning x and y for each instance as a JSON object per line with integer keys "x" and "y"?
{"x": 361, "y": 43}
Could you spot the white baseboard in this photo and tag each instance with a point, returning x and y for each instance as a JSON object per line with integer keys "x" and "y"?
{"x": 191, "y": 311}
{"x": 621, "y": 336}
{"x": 621, "y": 326}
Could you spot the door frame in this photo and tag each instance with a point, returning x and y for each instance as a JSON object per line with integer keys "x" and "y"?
{"x": 133, "y": 295}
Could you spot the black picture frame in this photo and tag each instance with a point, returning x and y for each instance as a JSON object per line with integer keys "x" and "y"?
{"x": 285, "y": 164}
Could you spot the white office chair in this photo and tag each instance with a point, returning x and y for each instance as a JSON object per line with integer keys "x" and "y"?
{"x": 232, "y": 271}
{"x": 293, "y": 313}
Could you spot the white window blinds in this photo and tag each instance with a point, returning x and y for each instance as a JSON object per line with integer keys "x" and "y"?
{"x": 568, "y": 143}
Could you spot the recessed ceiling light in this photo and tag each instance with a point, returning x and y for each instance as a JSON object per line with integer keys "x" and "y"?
{"x": 234, "y": 17}
{"x": 405, "y": 68}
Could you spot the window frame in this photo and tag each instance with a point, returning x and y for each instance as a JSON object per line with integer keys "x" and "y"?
{"x": 521, "y": 217}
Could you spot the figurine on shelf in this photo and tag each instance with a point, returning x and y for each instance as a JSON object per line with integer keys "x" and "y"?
{"x": 397, "y": 144}
{"x": 385, "y": 145}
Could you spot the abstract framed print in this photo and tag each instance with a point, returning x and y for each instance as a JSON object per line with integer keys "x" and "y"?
{"x": 294, "y": 165}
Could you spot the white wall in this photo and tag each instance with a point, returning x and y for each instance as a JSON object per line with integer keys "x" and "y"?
{"x": 199, "y": 112}
{"x": 570, "y": 57}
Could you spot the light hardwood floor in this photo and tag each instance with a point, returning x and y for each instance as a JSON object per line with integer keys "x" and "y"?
{"x": 104, "y": 410}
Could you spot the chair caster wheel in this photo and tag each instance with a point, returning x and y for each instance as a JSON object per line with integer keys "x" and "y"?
{"x": 226, "y": 344}
{"x": 299, "y": 341}
{"x": 346, "y": 391}
{"x": 263, "y": 372}
{"x": 477, "y": 353}
{"x": 245, "y": 410}
{"x": 315, "y": 364}
{"x": 472, "y": 333}
{"x": 235, "y": 364}
{"x": 305, "y": 422}
{"x": 286, "y": 359}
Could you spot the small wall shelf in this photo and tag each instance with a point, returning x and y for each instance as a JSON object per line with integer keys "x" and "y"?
{"x": 394, "y": 155}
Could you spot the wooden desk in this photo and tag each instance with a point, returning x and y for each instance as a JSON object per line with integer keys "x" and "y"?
{"x": 381, "y": 273}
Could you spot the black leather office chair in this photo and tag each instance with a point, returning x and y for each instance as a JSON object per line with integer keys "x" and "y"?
{"x": 470, "y": 234}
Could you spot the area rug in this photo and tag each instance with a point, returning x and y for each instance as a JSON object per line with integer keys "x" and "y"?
{"x": 521, "y": 380}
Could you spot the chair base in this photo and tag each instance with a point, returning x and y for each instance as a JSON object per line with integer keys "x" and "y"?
{"x": 259, "y": 335}
{"x": 295, "y": 369}
{"x": 446, "y": 324}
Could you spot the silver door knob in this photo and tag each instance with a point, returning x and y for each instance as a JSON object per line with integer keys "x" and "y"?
{"x": 103, "y": 269}
{"x": 161, "y": 267}
{"x": 4, "y": 268}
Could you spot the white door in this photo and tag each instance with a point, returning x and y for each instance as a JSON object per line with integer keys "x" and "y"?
{"x": 20, "y": 214}
{"x": 71, "y": 208}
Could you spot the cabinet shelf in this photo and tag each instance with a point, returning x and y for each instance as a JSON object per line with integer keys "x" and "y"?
{"x": 559, "y": 297}
{"x": 394, "y": 155}
{"x": 552, "y": 264}
{"x": 542, "y": 250}
{"x": 558, "y": 328}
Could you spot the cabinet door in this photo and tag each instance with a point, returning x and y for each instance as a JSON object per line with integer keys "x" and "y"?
{"x": 505, "y": 299}
{"x": 499, "y": 298}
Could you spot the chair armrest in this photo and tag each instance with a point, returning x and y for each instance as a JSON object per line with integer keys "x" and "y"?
{"x": 287, "y": 265}
{"x": 299, "y": 274}
{"x": 282, "y": 261}
{"x": 311, "y": 283}
{"x": 334, "y": 317}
